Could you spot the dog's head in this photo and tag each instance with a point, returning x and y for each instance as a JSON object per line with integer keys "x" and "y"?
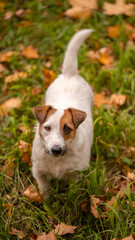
{"x": 57, "y": 127}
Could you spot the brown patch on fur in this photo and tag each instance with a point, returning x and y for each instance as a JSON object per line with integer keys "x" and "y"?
{"x": 72, "y": 118}
{"x": 42, "y": 114}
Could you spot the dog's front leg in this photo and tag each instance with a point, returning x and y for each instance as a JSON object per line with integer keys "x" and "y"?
{"x": 43, "y": 183}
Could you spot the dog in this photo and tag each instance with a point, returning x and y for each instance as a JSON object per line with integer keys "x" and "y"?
{"x": 64, "y": 131}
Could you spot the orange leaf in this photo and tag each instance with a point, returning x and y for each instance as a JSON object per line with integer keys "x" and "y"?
{"x": 9, "y": 104}
{"x": 2, "y": 68}
{"x": 99, "y": 99}
{"x": 111, "y": 203}
{"x": 113, "y": 31}
{"x": 131, "y": 176}
{"x": 120, "y": 7}
{"x": 30, "y": 52}
{"x": 7, "y": 56}
{"x": 62, "y": 229}
{"x": 49, "y": 76}
{"x": 106, "y": 59}
{"x": 8, "y": 15}
{"x": 31, "y": 193}
{"x": 25, "y": 149}
{"x": 15, "y": 77}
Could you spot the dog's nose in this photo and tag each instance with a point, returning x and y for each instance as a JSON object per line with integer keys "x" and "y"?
{"x": 56, "y": 150}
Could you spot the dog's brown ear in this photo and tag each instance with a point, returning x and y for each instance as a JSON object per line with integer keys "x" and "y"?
{"x": 78, "y": 116}
{"x": 41, "y": 113}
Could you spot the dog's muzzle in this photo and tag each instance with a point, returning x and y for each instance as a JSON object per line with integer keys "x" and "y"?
{"x": 57, "y": 150}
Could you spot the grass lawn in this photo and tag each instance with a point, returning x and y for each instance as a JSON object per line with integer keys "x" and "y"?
{"x": 44, "y": 26}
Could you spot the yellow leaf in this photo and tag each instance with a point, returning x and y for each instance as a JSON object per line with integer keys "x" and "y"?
{"x": 2, "y": 6}
{"x": 106, "y": 59}
{"x": 9, "y": 104}
{"x": 15, "y": 77}
{"x": 30, "y": 52}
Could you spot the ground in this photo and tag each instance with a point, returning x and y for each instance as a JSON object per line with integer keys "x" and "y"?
{"x": 111, "y": 172}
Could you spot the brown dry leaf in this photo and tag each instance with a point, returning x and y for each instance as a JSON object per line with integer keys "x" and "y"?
{"x": 31, "y": 193}
{"x": 6, "y": 56}
{"x": 130, "y": 31}
{"x": 9, "y": 104}
{"x": 2, "y": 6}
{"x": 2, "y": 68}
{"x": 49, "y": 77}
{"x": 133, "y": 204}
{"x": 120, "y": 7}
{"x": 49, "y": 236}
{"x": 9, "y": 165}
{"x": 8, "y": 15}
{"x": 24, "y": 23}
{"x": 17, "y": 233}
{"x": 48, "y": 64}
{"x": 81, "y": 8}
{"x": 30, "y": 52}
{"x": 117, "y": 99}
{"x": 15, "y": 77}
{"x": 93, "y": 55}
{"x": 97, "y": 201}
{"x": 111, "y": 203}
{"x": 19, "y": 12}
{"x": 99, "y": 99}
{"x": 36, "y": 90}
{"x": 132, "y": 237}
{"x": 131, "y": 176}
{"x": 25, "y": 149}
{"x": 113, "y": 31}
{"x": 62, "y": 229}
{"x": 7, "y": 204}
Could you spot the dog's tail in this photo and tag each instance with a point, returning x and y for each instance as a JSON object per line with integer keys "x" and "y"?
{"x": 70, "y": 64}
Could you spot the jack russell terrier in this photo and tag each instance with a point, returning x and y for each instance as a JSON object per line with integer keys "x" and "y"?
{"x": 64, "y": 132}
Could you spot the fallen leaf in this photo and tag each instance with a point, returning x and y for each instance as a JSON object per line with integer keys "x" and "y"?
{"x": 2, "y": 68}
{"x": 132, "y": 237}
{"x": 9, "y": 104}
{"x": 36, "y": 90}
{"x": 133, "y": 204}
{"x": 106, "y": 59}
{"x": 48, "y": 64}
{"x": 99, "y": 99}
{"x": 31, "y": 193}
{"x": 49, "y": 236}
{"x": 7, "y": 56}
{"x": 25, "y": 149}
{"x": 130, "y": 31}
{"x": 43, "y": 236}
{"x": 117, "y": 99}
{"x": 30, "y": 52}
{"x": 131, "y": 176}
{"x": 120, "y": 7}
{"x": 81, "y": 8}
{"x": 24, "y": 23}
{"x": 9, "y": 165}
{"x": 49, "y": 77}
{"x": 19, "y": 12}
{"x": 18, "y": 233}
{"x": 62, "y": 229}
{"x": 111, "y": 203}
{"x": 15, "y": 77}
{"x": 8, "y": 15}
{"x": 97, "y": 201}
{"x": 113, "y": 31}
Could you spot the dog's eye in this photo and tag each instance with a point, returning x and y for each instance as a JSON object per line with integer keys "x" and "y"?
{"x": 67, "y": 129}
{"x": 47, "y": 128}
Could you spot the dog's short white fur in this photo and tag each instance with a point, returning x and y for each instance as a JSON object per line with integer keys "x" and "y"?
{"x": 64, "y": 132}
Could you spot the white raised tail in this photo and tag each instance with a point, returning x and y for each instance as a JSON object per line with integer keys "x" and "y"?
{"x": 70, "y": 64}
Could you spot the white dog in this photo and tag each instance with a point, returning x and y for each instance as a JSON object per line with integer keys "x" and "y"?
{"x": 64, "y": 133}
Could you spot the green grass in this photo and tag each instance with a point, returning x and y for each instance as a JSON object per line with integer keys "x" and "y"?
{"x": 114, "y": 129}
